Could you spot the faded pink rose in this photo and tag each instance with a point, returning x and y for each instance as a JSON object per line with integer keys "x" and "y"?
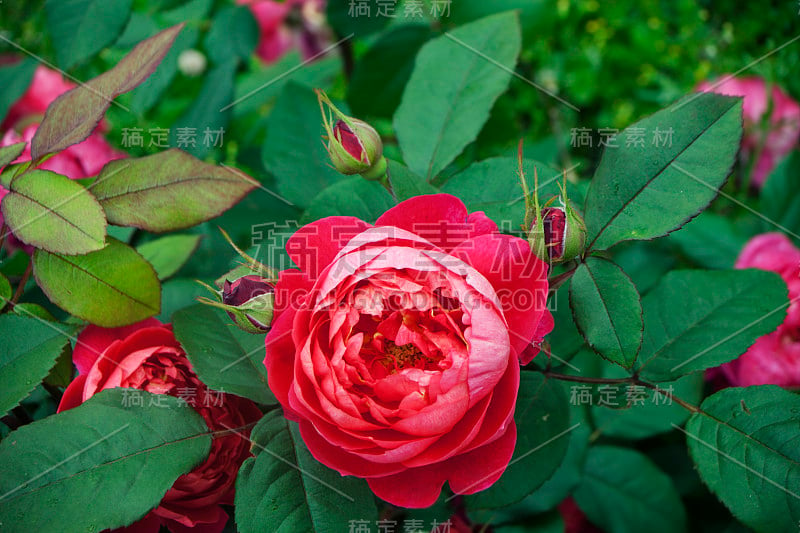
{"x": 289, "y": 24}
{"x": 774, "y": 358}
{"x": 397, "y": 346}
{"x": 781, "y": 133}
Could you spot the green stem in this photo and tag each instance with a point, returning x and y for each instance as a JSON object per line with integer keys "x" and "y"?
{"x": 3, "y": 232}
{"x": 22, "y": 282}
{"x": 559, "y": 280}
{"x": 632, "y": 380}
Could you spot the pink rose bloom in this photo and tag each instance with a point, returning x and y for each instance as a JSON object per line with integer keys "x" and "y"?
{"x": 289, "y": 24}
{"x": 397, "y": 346}
{"x": 774, "y": 358}
{"x": 146, "y": 356}
{"x": 784, "y": 122}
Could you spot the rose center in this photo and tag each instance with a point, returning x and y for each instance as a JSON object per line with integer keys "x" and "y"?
{"x": 408, "y": 356}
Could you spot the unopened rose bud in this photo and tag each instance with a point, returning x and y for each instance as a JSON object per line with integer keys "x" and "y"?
{"x": 353, "y": 145}
{"x": 561, "y": 236}
{"x": 249, "y": 301}
{"x": 556, "y": 231}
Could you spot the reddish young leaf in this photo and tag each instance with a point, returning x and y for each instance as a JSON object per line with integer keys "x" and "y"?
{"x": 73, "y": 116}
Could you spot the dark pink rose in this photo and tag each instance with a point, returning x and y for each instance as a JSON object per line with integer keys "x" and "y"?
{"x": 774, "y": 358}
{"x": 779, "y": 136}
{"x": 45, "y": 87}
{"x": 146, "y": 356}
{"x": 288, "y": 24}
{"x": 397, "y": 346}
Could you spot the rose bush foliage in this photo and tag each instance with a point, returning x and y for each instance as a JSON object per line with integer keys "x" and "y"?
{"x": 410, "y": 325}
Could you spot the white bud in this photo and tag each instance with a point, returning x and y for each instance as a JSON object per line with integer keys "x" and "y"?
{"x": 191, "y": 62}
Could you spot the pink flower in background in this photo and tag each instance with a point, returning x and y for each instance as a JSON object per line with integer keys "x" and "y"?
{"x": 774, "y": 358}
{"x": 289, "y": 24}
{"x": 78, "y": 161}
{"x": 783, "y": 126}
{"x": 45, "y": 87}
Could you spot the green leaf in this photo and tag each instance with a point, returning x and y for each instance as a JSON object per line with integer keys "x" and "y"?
{"x": 647, "y": 190}
{"x": 406, "y": 184}
{"x": 14, "y": 81}
{"x": 34, "y": 310}
{"x": 781, "y": 207}
{"x": 380, "y": 75}
{"x": 640, "y": 413}
{"x": 542, "y": 418}
{"x": 569, "y": 473}
{"x": 146, "y": 95}
{"x": 111, "y": 287}
{"x": 607, "y": 310}
{"x": 224, "y": 357}
{"x": 28, "y": 352}
{"x": 73, "y": 116}
{"x": 207, "y": 115}
{"x": 167, "y": 191}
{"x": 493, "y": 186}
{"x": 622, "y": 490}
{"x": 257, "y": 88}
{"x": 178, "y": 293}
{"x": 711, "y": 240}
{"x": 537, "y": 16}
{"x": 5, "y": 291}
{"x": 52, "y": 212}
{"x": 10, "y": 153}
{"x": 169, "y": 254}
{"x": 453, "y": 88}
{"x": 293, "y": 150}
{"x": 727, "y": 311}
{"x": 744, "y": 444}
{"x": 354, "y": 196}
{"x": 81, "y": 28}
{"x": 565, "y": 339}
{"x": 349, "y": 23}
{"x": 108, "y": 465}
{"x": 285, "y": 487}
{"x": 62, "y": 373}
{"x": 233, "y": 34}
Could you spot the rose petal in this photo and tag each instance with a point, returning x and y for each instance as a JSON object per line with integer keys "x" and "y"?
{"x": 94, "y": 340}
{"x": 314, "y": 246}
{"x": 518, "y": 277}
{"x": 414, "y": 488}
{"x": 477, "y": 470}
{"x": 73, "y": 394}
{"x": 440, "y": 218}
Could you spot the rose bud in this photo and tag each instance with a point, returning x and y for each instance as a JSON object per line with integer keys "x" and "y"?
{"x": 353, "y": 145}
{"x": 556, "y": 233}
{"x": 249, "y": 301}
{"x": 562, "y": 234}
{"x": 251, "y": 298}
